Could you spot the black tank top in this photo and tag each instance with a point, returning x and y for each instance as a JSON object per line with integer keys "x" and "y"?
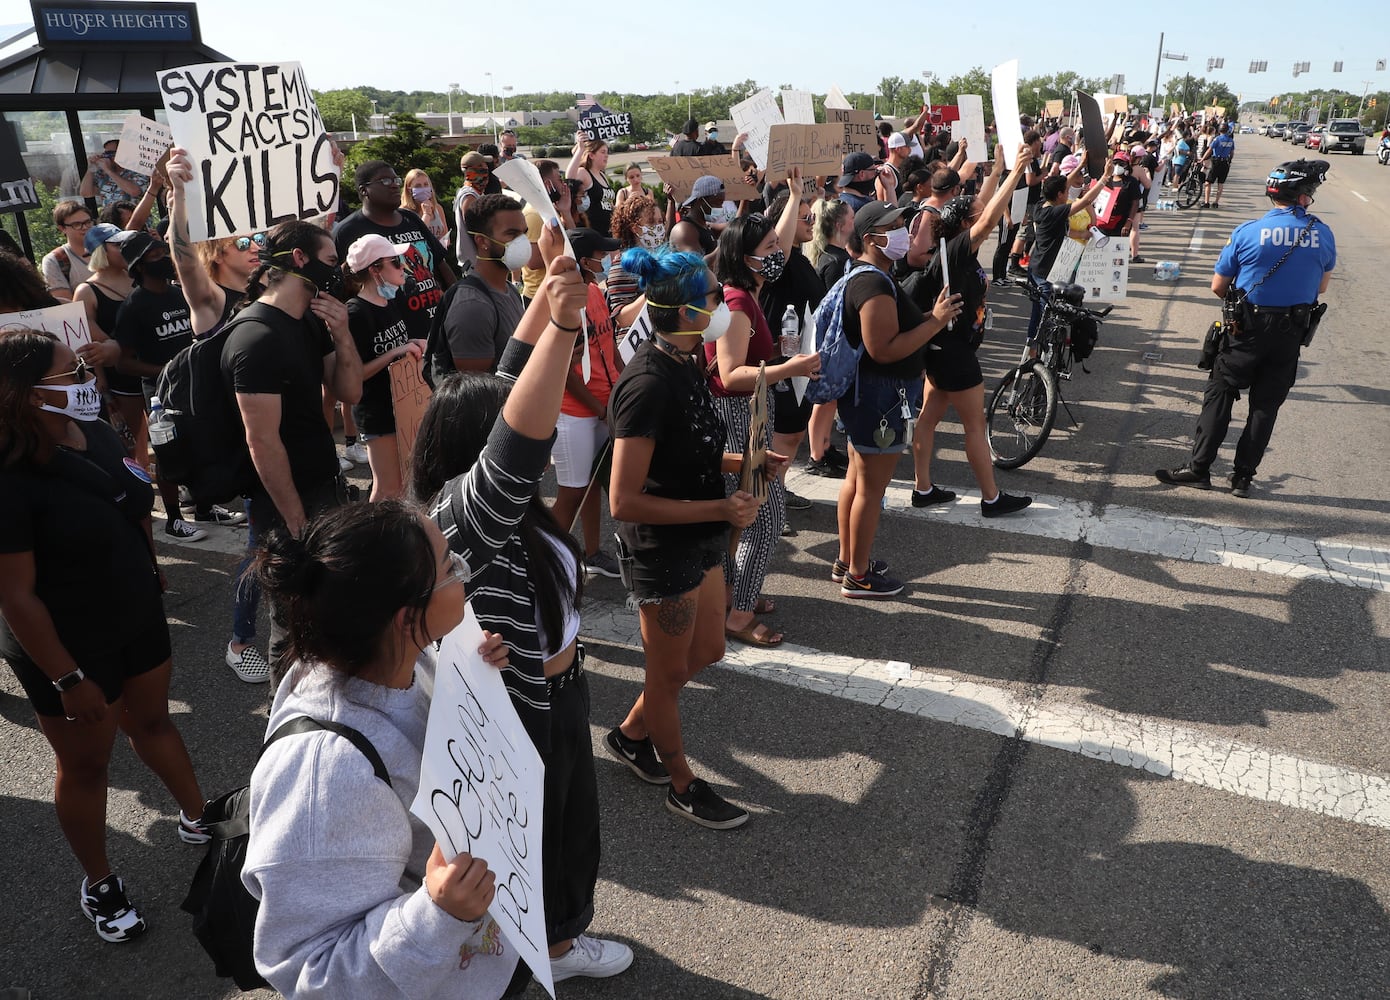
{"x": 601, "y": 200}
{"x": 107, "y": 308}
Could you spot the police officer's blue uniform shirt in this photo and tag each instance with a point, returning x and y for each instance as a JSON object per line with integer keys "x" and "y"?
{"x": 1257, "y": 246}
{"x": 1223, "y": 147}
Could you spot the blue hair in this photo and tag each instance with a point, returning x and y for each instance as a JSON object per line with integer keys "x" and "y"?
{"x": 668, "y": 278}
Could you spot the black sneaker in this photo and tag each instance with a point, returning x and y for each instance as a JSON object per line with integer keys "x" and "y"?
{"x": 1004, "y": 503}
{"x": 702, "y": 804}
{"x": 180, "y": 530}
{"x": 869, "y": 585}
{"x": 639, "y": 755}
{"x": 797, "y": 502}
{"x": 105, "y": 904}
{"x": 219, "y": 515}
{"x": 930, "y": 499}
{"x": 1184, "y": 475}
{"x": 839, "y": 569}
{"x": 836, "y": 457}
{"x": 1240, "y": 486}
{"x": 823, "y": 468}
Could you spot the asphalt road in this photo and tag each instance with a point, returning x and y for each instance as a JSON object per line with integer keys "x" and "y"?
{"x": 1141, "y": 752}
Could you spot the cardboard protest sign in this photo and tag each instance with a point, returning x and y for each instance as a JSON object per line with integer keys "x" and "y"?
{"x": 67, "y": 322}
{"x": 860, "y": 133}
{"x": 835, "y": 98}
{"x": 481, "y": 789}
{"x": 1104, "y": 270}
{"x": 1054, "y": 109}
{"x": 1064, "y": 267}
{"x": 798, "y": 107}
{"x": 606, "y": 125}
{"x": 260, "y": 153}
{"x": 817, "y": 149}
{"x": 752, "y": 476}
{"x": 143, "y": 144}
{"x": 17, "y": 192}
{"x": 1113, "y": 104}
{"x": 410, "y": 395}
{"x": 1093, "y": 128}
{"x": 640, "y": 330}
{"x": 971, "y": 126}
{"x": 1004, "y": 88}
{"x": 680, "y": 172}
{"x": 755, "y": 117}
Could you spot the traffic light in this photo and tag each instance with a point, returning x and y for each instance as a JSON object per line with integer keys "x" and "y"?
{"x": 1274, "y": 101}
{"x": 1373, "y": 102}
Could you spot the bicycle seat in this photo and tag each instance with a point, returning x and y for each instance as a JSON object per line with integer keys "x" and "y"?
{"x": 1071, "y": 294}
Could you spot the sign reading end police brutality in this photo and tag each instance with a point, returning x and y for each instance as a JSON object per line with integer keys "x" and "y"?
{"x": 260, "y": 153}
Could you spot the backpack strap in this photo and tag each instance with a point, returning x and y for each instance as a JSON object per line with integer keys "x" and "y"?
{"x": 64, "y": 263}
{"x": 439, "y": 359}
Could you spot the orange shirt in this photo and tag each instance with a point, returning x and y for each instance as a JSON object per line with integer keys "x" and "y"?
{"x": 603, "y": 354}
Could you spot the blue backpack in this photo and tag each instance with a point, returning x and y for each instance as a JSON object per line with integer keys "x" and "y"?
{"x": 839, "y": 361}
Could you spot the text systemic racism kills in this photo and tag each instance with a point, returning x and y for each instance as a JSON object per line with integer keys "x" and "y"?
{"x": 251, "y": 111}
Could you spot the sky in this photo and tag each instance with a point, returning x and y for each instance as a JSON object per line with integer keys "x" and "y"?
{"x": 394, "y": 47}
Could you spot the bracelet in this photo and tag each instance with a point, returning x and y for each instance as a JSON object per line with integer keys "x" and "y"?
{"x": 567, "y": 329}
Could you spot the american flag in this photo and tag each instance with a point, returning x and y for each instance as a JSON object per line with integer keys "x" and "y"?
{"x": 585, "y": 101}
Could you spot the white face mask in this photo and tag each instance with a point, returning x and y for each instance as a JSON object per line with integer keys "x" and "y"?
{"x": 1120, "y": 171}
{"x": 651, "y": 237}
{"x": 899, "y": 240}
{"x": 1073, "y": 193}
{"x": 516, "y": 254}
{"x": 719, "y": 319}
{"x": 83, "y": 401}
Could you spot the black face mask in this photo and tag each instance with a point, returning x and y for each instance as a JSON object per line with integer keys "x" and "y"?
{"x": 863, "y": 187}
{"x": 325, "y": 277}
{"x": 160, "y": 270}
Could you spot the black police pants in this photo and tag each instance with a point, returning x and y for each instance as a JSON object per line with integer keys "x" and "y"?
{"x": 1264, "y": 361}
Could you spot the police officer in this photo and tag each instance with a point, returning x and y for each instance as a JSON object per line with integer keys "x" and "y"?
{"x": 1279, "y": 265}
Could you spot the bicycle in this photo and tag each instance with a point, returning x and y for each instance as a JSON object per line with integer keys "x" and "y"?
{"x": 1023, "y": 408}
{"x": 1189, "y": 192}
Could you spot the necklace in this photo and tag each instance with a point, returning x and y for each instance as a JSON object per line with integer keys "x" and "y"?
{"x": 670, "y": 349}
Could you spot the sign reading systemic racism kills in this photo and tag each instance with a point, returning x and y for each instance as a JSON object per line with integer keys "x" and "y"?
{"x": 606, "y": 125}
{"x": 817, "y": 149}
{"x": 17, "y": 192}
{"x": 860, "y": 135}
{"x": 260, "y": 153}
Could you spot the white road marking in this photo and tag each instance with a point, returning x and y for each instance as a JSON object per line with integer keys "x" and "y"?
{"x": 1135, "y": 530}
{"x": 1361, "y": 196}
{"x": 1141, "y": 743}
{"x": 1196, "y": 242}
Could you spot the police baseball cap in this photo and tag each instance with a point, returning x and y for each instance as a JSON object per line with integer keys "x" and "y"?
{"x": 875, "y": 213}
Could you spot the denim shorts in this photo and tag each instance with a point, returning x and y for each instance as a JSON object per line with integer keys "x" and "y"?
{"x": 874, "y": 402}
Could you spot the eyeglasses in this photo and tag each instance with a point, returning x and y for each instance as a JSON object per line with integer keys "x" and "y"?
{"x": 393, "y": 182}
{"x": 79, "y": 224}
{"x": 458, "y": 572}
{"x": 82, "y": 372}
{"x": 717, "y": 291}
{"x": 244, "y": 242}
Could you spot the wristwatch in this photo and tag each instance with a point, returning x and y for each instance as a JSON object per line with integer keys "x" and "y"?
{"x": 69, "y": 681}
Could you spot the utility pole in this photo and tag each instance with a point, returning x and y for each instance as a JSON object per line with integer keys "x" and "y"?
{"x": 1158, "y": 65}
{"x": 1360, "y": 107}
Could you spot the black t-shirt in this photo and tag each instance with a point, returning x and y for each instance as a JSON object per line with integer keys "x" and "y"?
{"x": 81, "y": 516}
{"x": 269, "y": 352}
{"x": 155, "y": 326}
{"x": 668, "y": 400}
{"x": 1059, "y": 153}
{"x": 1035, "y": 190}
{"x": 831, "y": 265}
{"x": 799, "y": 286}
{"x": 421, "y": 293}
{"x": 1050, "y": 227}
{"x": 685, "y": 147}
{"x": 868, "y": 282}
{"x": 967, "y": 281}
{"x": 376, "y": 330}
{"x": 713, "y": 147}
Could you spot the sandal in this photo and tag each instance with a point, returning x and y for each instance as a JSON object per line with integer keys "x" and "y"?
{"x": 751, "y": 635}
{"x": 764, "y": 606}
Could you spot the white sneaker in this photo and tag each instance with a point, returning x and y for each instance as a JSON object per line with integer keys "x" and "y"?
{"x": 357, "y": 452}
{"x": 592, "y": 957}
{"x": 345, "y": 464}
{"x": 249, "y": 665}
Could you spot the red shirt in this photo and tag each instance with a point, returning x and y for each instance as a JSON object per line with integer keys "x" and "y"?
{"x": 760, "y": 345}
{"x": 603, "y": 353}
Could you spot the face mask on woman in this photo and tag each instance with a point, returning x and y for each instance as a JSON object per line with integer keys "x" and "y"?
{"x": 719, "y": 319}
{"x": 898, "y": 242}
{"x": 1073, "y": 193}
{"x": 583, "y": 205}
{"x": 83, "y": 401}
{"x": 651, "y": 237}
{"x": 422, "y": 193}
{"x": 772, "y": 265}
{"x": 387, "y": 290}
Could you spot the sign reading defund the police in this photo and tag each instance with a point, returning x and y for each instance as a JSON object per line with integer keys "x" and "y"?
{"x": 260, "y": 153}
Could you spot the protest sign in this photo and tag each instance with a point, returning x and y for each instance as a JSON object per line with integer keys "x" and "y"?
{"x": 640, "y": 330}
{"x": 481, "y": 789}
{"x": 835, "y": 98}
{"x": 817, "y": 149}
{"x": 1018, "y": 206}
{"x": 798, "y": 107}
{"x": 606, "y": 125}
{"x": 410, "y": 394}
{"x": 808, "y": 346}
{"x": 1104, "y": 269}
{"x": 524, "y": 179}
{"x": 680, "y": 172}
{"x": 17, "y": 193}
{"x": 754, "y": 117}
{"x": 1093, "y": 128}
{"x": 1004, "y": 88}
{"x": 143, "y": 144}
{"x": 860, "y": 134}
{"x": 971, "y": 126}
{"x": 1054, "y": 109}
{"x": 260, "y": 153}
{"x": 67, "y": 322}
{"x": 1113, "y": 104}
{"x": 1064, "y": 267}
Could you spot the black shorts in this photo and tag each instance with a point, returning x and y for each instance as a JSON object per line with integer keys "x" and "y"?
{"x": 953, "y": 369}
{"x": 1218, "y": 171}
{"x": 120, "y": 384}
{"x": 673, "y": 570}
{"x": 788, "y": 416}
{"x": 110, "y": 669}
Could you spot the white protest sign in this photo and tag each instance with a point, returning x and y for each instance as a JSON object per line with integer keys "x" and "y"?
{"x": 481, "y": 786}
{"x": 67, "y": 322}
{"x": 1104, "y": 270}
{"x": 260, "y": 153}
{"x": 524, "y": 179}
{"x": 971, "y": 126}
{"x": 798, "y": 107}
{"x": 640, "y": 331}
{"x": 756, "y": 116}
{"x": 1064, "y": 267}
{"x": 143, "y": 142}
{"x": 1004, "y": 87}
{"x": 1018, "y": 206}
{"x": 835, "y": 98}
{"x": 808, "y": 346}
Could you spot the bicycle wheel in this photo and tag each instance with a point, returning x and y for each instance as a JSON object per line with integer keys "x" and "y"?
{"x": 1191, "y": 191}
{"x": 1020, "y": 414}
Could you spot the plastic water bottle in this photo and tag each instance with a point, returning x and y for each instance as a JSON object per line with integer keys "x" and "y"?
{"x": 162, "y": 429}
{"x": 791, "y": 332}
{"x": 1166, "y": 270}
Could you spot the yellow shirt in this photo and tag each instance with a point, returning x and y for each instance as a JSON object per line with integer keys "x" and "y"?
{"x": 531, "y": 278}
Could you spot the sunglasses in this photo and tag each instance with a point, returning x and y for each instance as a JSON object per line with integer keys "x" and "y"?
{"x": 244, "y": 242}
{"x": 83, "y": 372}
{"x": 394, "y": 261}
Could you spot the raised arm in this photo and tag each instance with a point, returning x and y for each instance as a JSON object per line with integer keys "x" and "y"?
{"x": 206, "y": 299}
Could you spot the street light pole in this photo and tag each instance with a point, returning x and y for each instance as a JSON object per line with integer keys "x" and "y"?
{"x": 1158, "y": 65}
{"x": 453, "y": 90}
{"x": 492, "y": 105}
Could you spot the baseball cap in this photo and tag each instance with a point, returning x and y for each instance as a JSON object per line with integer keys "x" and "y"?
{"x": 134, "y": 245}
{"x": 1070, "y": 163}
{"x": 948, "y": 180}
{"x": 473, "y": 160}
{"x": 875, "y": 213}
{"x": 691, "y": 125}
{"x": 367, "y": 250}
{"x": 853, "y": 163}
{"x": 704, "y": 187}
{"x": 102, "y": 232}
{"x": 711, "y": 126}
{"x": 590, "y": 242}
{"x": 897, "y": 141}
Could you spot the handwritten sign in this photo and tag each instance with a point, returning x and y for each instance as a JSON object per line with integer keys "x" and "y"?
{"x": 143, "y": 143}
{"x": 17, "y": 193}
{"x": 752, "y": 476}
{"x": 260, "y": 152}
{"x": 410, "y": 395}
{"x": 756, "y": 116}
{"x": 798, "y": 107}
{"x": 607, "y": 126}
{"x": 835, "y": 98}
{"x": 1093, "y": 132}
{"x": 1004, "y": 88}
{"x": 1104, "y": 270}
{"x": 67, "y": 322}
{"x": 1112, "y": 104}
{"x": 817, "y": 149}
{"x": 1064, "y": 267}
{"x": 971, "y": 126}
{"x": 639, "y": 331}
{"x": 1054, "y": 109}
{"x": 860, "y": 134}
{"x": 481, "y": 789}
{"x": 680, "y": 172}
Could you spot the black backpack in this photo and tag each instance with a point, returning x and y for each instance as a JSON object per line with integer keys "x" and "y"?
{"x": 208, "y": 453}
{"x": 224, "y": 911}
{"x": 438, "y": 361}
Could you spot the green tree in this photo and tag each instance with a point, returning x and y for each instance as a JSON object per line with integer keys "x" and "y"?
{"x": 337, "y": 108}
{"x": 891, "y": 89}
{"x": 977, "y": 81}
{"x": 410, "y": 144}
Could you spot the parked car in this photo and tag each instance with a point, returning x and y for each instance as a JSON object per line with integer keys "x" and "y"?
{"x": 1343, "y": 135}
{"x": 1298, "y": 134}
{"x": 1247, "y": 130}
{"x": 1278, "y": 129}
{"x": 1314, "y": 137}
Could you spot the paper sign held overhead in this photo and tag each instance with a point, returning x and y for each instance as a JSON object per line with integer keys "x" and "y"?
{"x": 971, "y": 126}
{"x": 816, "y": 149}
{"x": 608, "y": 125}
{"x": 798, "y": 107}
{"x": 143, "y": 144}
{"x": 835, "y": 98}
{"x": 67, "y": 322}
{"x": 680, "y": 172}
{"x": 524, "y": 179}
{"x": 755, "y": 117}
{"x": 1054, "y": 109}
{"x": 1004, "y": 88}
{"x": 260, "y": 153}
